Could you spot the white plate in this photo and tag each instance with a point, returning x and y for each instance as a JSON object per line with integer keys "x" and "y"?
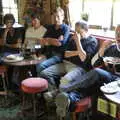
{"x": 13, "y": 58}
{"x": 110, "y": 88}
{"x": 111, "y": 60}
{"x": 118, "y": 82}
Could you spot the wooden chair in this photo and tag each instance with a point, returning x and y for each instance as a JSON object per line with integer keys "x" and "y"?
{"x": 83, "y": 107}
{"x": 4, "y": 78}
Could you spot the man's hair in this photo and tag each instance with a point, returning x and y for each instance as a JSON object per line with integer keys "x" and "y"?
{"x": 59, "y": 9}
{"x": 83, "y": 25}
{"x": 7, "y": 17}
{"x": 118, "y": 25}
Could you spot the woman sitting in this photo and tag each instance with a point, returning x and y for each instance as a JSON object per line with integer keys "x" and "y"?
{"x": 34, "y": 33}
{"x": 10, "y": 37}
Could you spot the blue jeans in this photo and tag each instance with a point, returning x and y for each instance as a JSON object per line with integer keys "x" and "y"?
{"x": 47, "y": 63}
{"x": 81, "y": 81}
{"x": 83, "y": 84}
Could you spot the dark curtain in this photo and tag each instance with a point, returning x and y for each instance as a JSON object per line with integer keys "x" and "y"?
{"x": 64, "y": 5}
{"x": 1, "y": 12}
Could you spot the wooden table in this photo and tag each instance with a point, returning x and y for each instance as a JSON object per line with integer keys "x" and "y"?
{"x": 21, "y": 68}
{"x": 27, "y": 62}
{"x": 115, "y": 97}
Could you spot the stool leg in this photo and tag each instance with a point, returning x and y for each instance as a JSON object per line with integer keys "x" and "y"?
{"x": 23, "y": 100}
{"x": 34, "y": 106}
{"x": 6, "y": 78}
{"x": 4, "y": 85}
{"x": 74, "y": 115}
{"x": 81, "y": 116}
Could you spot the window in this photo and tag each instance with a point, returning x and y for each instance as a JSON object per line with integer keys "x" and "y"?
{"x": 116, "y": 17}
{"x": 76, "y": 10}
{"x": 103, "y": 13}
{"x": 99, "y": 12}
{"x": 10, "y": 6}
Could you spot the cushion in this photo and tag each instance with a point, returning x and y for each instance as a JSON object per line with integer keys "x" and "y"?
{"x": 83, "y": 104}
{"x": 34, "y": 85}
{"x": 3, "y": 69}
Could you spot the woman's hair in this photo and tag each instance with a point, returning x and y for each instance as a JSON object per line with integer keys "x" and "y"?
{"x": 83, "y": 25}
{"x": 35, "y": 16}
{"x": 7, "y": 17}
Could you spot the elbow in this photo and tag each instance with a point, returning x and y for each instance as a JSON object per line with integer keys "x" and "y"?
{"x": 83, "y": 58}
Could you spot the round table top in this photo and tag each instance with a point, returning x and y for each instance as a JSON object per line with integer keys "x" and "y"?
{"x": 27, "y": 62}
{"x": 115, "y": 97}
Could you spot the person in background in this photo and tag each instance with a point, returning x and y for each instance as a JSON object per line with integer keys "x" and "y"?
{"x": 10, "y": 37}
{"x": 34, "y": 33}
{"x": 77, "y": 62}
{"x": 88, "y": 83}
{"x": 54, "y": 41}
{"x": 10, "y": 40}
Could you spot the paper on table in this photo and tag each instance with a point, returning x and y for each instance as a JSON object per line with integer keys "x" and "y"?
{"x": 107, "y": 107}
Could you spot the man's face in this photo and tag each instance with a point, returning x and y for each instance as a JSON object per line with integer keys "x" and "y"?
{"x": 117, "y": 35}
{"x": 78, "y": 29}
{"x": 9, "y": 23}
{"x": 58, "y": 17}
{"x": 36, "y": 23}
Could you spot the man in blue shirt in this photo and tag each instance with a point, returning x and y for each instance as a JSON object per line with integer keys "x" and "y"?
{"x": 90, "y": 82}
{"x": 58, "y": 32}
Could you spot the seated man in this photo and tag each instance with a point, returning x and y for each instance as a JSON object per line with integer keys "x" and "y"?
{"x": 55, "y": 41}
{"x": 87, "y": 84}
{"x": 86, "y": 47}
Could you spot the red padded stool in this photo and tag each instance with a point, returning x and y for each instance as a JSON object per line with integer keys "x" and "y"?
{"x": 82, "y": 107}
{"x": 3, "y": 74}
{"x": 33, "y": 86}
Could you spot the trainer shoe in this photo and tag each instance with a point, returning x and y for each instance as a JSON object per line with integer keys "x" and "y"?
{"x": 62, "y": 102}
{"x": 49, "y": 96}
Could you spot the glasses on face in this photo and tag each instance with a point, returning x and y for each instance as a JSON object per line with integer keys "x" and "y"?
{"x": 117, "y": 34}
{"x": 9, "y": 22}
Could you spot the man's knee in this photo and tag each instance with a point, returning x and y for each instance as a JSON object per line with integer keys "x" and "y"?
{"x": 39, "y": 68}
{"x": 43, "y": 74}
{"x": 64, "y": 81}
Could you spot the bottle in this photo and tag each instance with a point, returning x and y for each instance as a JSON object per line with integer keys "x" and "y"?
{"x": 29, "y": 73}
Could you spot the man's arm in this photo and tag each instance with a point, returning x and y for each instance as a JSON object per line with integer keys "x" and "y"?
{"x": 49, "y": 41}
{"x": 97, "y": 59}
{"x": 103, "y": 47}
{"x": 82, "y": 52}
{"x": 71, "y": 53}
{"x": 64, "y": 38}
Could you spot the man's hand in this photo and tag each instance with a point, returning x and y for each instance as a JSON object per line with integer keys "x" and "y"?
{"x": 44, "y": 41}
{"x": 50, "y": 41}
{"x": 106, "y": 44}
{"x": 103, "y": 46}
{"x": 61, "y": 38}
{"x": 76, "y": 37}
{"x": 54, "y": 42}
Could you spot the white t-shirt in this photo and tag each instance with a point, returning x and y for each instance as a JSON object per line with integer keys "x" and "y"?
{"x": 34, "y": 34}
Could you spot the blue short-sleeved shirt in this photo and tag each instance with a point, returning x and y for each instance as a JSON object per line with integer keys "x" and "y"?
{"x": 90, "y": 45}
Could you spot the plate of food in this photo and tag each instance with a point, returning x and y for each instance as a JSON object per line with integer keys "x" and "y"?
{"x": 110, "y": 88}
{"x": 111, "y": 60}
{"x": 13, "y": 58}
